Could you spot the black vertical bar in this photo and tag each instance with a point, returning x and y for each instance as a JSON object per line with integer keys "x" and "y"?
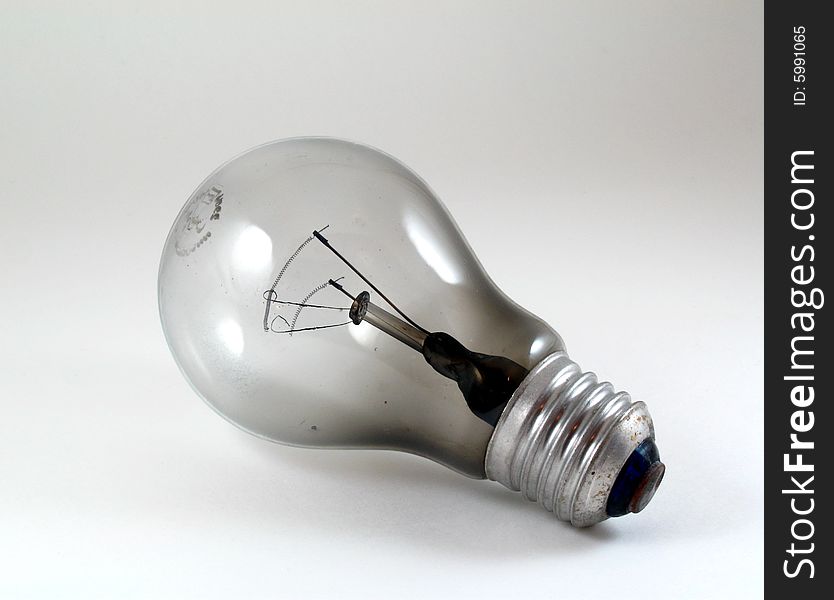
{"x": 799, "y": 169}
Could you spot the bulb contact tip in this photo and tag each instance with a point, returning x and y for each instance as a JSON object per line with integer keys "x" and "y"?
{"x": 637, "y": 480}
{"x": 647, "y": 487}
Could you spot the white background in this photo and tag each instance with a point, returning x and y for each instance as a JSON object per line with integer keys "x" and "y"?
{"x": 604, "y": 160}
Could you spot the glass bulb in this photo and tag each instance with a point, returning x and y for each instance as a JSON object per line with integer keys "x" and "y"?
{"x": 315, "y": 292}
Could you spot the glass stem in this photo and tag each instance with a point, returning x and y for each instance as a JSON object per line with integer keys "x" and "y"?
{"x": 395, "y": 327}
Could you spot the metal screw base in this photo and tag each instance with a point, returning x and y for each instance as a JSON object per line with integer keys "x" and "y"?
{"x": 563, "y": 439}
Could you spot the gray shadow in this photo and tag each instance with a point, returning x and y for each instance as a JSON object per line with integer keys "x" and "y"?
{"x": 391, "y": 495}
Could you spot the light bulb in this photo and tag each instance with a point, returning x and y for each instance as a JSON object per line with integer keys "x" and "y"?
{"x": 315, "y": 292}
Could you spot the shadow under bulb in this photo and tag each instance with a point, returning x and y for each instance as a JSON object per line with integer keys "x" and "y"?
{"x": 315, "y": 292}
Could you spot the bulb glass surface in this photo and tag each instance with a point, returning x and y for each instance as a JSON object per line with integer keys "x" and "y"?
{"x": 262, "y": 336}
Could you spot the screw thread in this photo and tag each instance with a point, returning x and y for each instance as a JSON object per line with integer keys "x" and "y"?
{"x": 563, "y": 438}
